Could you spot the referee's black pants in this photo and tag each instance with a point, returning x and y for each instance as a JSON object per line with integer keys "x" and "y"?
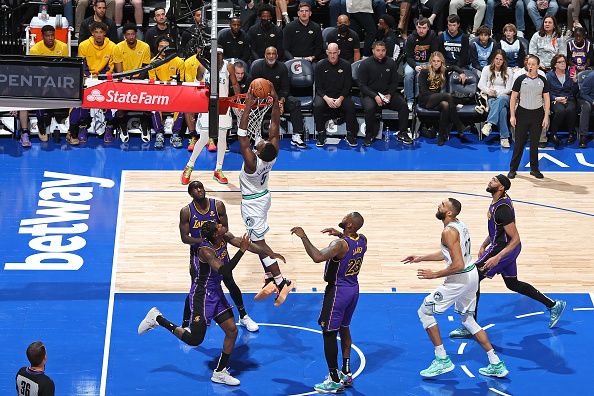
{"x": 527, "y": 122}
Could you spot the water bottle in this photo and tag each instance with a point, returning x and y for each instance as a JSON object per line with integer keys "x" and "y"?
{"x": 386, "y": 133}
{"x": 44, "y": 17}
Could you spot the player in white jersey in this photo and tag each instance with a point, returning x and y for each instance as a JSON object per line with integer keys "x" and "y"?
{"x": 226, "y": 78}
{"x": 459, "y": 289}
{"x": 255, "y": 197}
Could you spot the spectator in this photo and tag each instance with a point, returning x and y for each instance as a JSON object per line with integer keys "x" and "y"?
{"x": 161, "y": 29}
{"x": 265, "y": 34}
{"x": 579, "y": 50}
{"x": 524, "y": 70}
{"x": 280, "y": 8}
{"x": 249, "y": 12}
{"x": 531, "y": 93}
{"x": 419, "y": 46}
{"x": 405, "y": 10}
{"x": 69, "y": 12}
{"x": 361, "y": 15}
{"x": 81, "y": 9}
{"x": 98, "y": 16}
{"x": 243, "y": 79}
{"x": 482, "y": 49}
{"x": 173, "y": 69}
{"x": 138, "y": 13}
{"x": 333, "y": 86}
{"x": 194, "y": 37}
{"x": 586, "y": 102}
{"x": 547, "y": 42}
{"x": 130, "y": 54}
{"x": 439, "y": 9}
{"x": 34, "y": 377}
{"x": 432, "y": 81}
{"x": 535, "y": 7}
{"x": 302, "y": 38}
{"x": 517, "y": 5}
{"x": 378, "y": 82}
{"x": 386, "y": 33}
{"x": 510, "y": 44}
{"x": 337, "y": 8}
{"x": 235, "y": 42}
{"x": 453, "y": 44}
{"x": 97, "y": 52}
{"x": 478, "y": 5}
{"x": 277, "y": 73}
{"x": 563, "y": 91}
{"x": 347, "y": 39}
{"x": 574, "y": 7}
{"x": 496, "y": 84}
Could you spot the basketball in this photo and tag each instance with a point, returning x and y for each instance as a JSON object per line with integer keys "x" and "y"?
{"x": 261, "y": 88}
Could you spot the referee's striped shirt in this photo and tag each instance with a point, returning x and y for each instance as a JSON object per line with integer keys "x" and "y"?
{"x": 531, "y": 91}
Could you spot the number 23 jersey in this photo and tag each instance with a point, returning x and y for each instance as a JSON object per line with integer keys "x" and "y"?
{"x": 344, "y": 271}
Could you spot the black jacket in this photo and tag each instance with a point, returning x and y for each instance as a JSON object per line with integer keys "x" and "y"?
{"x": 333, "y": 80}
{"x": 278, "y": 74}
{"x": 378, "y": 76}
{"x": 303, "y": 40}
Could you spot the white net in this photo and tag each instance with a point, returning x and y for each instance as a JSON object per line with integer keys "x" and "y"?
{"x": 257, "y": 113}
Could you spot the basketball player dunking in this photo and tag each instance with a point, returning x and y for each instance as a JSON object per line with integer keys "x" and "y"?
{"x": 500, "y": 250}
{"x": 255, "y": 197}
{"x": 344, "y": 258}
{"x": 459, "y": 289}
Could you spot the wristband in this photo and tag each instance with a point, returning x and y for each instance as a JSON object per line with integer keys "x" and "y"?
{"x": 241, "y": 132}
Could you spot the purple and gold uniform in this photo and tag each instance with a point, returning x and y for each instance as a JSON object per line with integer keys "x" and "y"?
{"x": 207, "y": 299}
{"x": 500, "y": 214}
{"x": 579, "y": 55}
{"x": 342, "y": 291}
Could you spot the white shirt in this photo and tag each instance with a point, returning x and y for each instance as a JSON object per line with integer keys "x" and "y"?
{"x": 502, "y": 88}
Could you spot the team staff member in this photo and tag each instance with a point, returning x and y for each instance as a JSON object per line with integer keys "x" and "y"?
{"x": 265, "y": 34}
{"x": 302, "y": 38}
{"x": 348, "y": 40}
{"x": 235, "y": 42}
{"x": 532, "y": 115}
{"x": 378, "y": 81}
{"x": 333, "y": 87}
{"x": 277, "y": 73}
{"x": 32, "y": 380}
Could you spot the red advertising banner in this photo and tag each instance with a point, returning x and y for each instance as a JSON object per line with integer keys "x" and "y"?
{"x": 148, "y": 96}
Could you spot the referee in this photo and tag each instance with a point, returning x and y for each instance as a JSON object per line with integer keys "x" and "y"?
{"x": 32, "y": 380}
{"x": 532, "y": 115}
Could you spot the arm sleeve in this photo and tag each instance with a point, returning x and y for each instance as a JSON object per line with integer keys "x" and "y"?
{"x": 504, "y": 215}
{"x": 225, "y": 270}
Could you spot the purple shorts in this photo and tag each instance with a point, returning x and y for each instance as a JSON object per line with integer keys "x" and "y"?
{"x": 507, "y": 266}
{"x": 338, "y": 307}
{"x": 207, "y": 303}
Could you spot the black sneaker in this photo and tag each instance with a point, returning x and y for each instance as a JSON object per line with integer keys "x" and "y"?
{"x": 404, "y": 138}
{"x": 511, "y": 174}
{"x": 321, "y": 140}
{"x": 351, "y": 141}
{"x": 537, "y": 174}
{"x": 583, "y": 141}
{"x": 367, "y": 142}
{"x": 56, "y": 136}
{"x": 441, "y": 139}
{"x": 296, "y": 140}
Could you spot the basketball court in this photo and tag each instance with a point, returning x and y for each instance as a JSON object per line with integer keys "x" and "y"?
{"x": 132, "y": 259}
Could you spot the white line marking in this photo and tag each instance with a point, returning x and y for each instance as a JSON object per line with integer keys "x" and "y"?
{"x": 529, "y": 314}
{"x": 488, "y": 326}
{"x": 359, "y": 352}
{"x": 461, "y": 348}
{"x": 114, "y": 268}
{"x": 499, "y": 392}
{"x": 450, "y": 318}
{"x": 468, "y": 373}
{"x": 583, "y": 309}
{"x": 592, "y": 297}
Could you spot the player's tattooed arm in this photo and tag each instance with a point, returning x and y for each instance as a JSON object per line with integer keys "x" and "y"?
{"x": 337, "y": 248}
{"x": 184, "y": 227}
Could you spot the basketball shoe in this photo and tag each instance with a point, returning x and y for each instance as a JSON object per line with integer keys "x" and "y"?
{"x": 284, "y": 289}
{"x": 267, "y": 290}
{"x": 192, "y": 143}
{"x": 438, "y": 366}
{"x": 220, "y": 176}
{"x": 149, "y": 322}
{"x": 495, "y": 370}
{"x": 556, "y": 312}
{"x": 346, "y": 379}
{"x": 462, "y": 332}
{"x": 211, "y": 146}
{"x": 223, "y": 377}
{"x": 249, "y": 324}
{"x": 185, "y": 177}
{"x": 329, "y": 386}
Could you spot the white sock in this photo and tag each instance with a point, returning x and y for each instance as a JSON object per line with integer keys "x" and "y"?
{"x": 221, "y": 148}
{"x": 198, "y": 147}
{"x": 278, "y": 279}
{"x": 440, "y": 352}
{"x": 493, "y": 358}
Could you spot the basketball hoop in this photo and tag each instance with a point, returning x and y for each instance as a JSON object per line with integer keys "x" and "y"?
{"x": 259, "y": 109}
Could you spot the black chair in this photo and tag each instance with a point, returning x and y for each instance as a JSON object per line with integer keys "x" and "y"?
{"x": 466, "y": 113}
{"x": 580, "y": 80}
{"x": 301, "y": 80}
{"x": 355, "y": 91}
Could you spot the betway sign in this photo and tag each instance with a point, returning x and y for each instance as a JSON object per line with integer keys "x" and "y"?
{"x": 145, "y": 96}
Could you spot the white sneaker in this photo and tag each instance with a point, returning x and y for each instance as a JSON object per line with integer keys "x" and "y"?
{"x": 459, "y": 106}
{"x": 145, "y": 135}
{"x": 149, "y": 322}
{"x": 410, "y": 106}
{"x": 486, "y": 129}
{"x": 505, "y": 143}
{"x": 296, "y": 140}
{"x": 223, "y": 377}
{"x": 249, "y": 324}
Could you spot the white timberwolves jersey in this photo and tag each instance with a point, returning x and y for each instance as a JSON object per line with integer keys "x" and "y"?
{"x": 256, "y": 182}
{"x": 464, "y": 243}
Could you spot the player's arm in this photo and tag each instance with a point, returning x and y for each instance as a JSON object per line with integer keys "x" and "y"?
{"x": 222, "y": 212}
{"x": 233, "y": 79}
{"x": 184, "y": 227}
{"x": 337, "y": 248}
{"x": 437, "y": 256}
{"x": 249, "y": 158}
{"x": 451, "y": 239}
{"x": 253, "y": 248}
{"x": 208, "y": 255}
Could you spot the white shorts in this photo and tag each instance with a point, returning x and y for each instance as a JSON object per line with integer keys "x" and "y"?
{"x": 255, "y": 216}
{"x": 225, "y": 120}
{"x": 458, "y": 290}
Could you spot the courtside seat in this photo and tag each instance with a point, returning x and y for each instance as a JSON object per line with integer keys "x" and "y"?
{"x": 301, "y": 80}
{"x": 355, "y": 92}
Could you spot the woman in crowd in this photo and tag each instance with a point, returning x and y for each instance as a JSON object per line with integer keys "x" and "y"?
{"x": 496, "y": 83}
{"x": 563, "y": 89}
{"x": 548, "y": 42}
{"x": 432, "y": 81}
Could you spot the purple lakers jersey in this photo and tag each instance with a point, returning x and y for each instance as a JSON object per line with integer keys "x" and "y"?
{"x": 499, "y": 239}
{"x": 201, "y": 272}
{"x": 344, "y": 271}
{"x": 199, "y": 217}
{"x": 579, "y": 55}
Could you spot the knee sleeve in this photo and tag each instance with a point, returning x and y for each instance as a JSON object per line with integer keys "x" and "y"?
{"x": 470, "y": 324}
{"x": 195, "y": 336}
{"x": 426, "y": 316}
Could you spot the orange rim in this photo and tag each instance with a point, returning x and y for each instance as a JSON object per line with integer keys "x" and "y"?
{"x": 238, "y": 101}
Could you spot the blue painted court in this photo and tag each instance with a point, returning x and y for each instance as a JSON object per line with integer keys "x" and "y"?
{"x": 93, "y": 347}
